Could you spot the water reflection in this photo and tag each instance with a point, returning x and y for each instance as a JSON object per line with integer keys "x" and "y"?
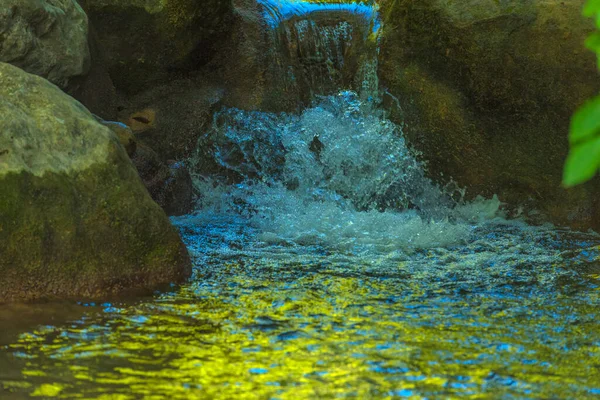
{"x": 313, "y": 325}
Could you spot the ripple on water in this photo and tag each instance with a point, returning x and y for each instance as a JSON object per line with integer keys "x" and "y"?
{"x": 313, "y": 279}
{"x": 504, "y": 315}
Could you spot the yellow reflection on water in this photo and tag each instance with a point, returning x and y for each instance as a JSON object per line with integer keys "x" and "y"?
{"x": 317, "y": 336}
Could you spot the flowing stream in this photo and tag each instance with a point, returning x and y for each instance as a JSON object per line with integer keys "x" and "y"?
{"x": 327, "y": 265}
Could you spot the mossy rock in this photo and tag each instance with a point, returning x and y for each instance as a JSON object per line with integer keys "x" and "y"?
{"x": 75, "y": 219}
{"x": 147, "y": 41}
{"x": 46, "y": 38}
{"x": 487, "y": 90}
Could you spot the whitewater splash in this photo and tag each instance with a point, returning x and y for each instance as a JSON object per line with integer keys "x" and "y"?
{"x": 336, "y": 188}
{"x": 338, "y": 174}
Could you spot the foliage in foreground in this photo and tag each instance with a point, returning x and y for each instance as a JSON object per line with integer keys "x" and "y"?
{"x": 584, "y": 136}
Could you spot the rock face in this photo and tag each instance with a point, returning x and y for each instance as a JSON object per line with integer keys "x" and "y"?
{"x": 169, "y": 184}
{"x": 169, "y": 118}
{"x": 487, "y": 89}
{"x": 45, "y": 37}
{"x": 96, "y": 90}
{"x": 146, "y": 41}
{"x": 75, "y": 219}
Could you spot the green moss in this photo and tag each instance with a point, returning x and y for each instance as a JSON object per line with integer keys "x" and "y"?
{"x": 487, "y": 91}
{"x": 180, "y": 12}
{"x": 85, "y": 234}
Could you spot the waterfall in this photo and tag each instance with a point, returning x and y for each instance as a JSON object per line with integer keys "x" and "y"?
{"x": 338, "y": 173}
{"x": 321, "y": 48}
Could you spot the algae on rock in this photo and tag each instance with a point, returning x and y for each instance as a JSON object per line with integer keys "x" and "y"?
{"x": 75, "y": 219}
{"x": 487, "y": 90}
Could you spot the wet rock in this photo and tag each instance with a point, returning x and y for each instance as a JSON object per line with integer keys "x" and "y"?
{"x": 125, "y": 135}
{"x": 169, "y": 118}
{"x": 75, "y": 219}
{"x": 147, "y": 41}
{"x": 179, "y": 198}
{"x": 240, "y": 65}
{"x": 96, "y": 90}
{"x": 169, "y": 184}
{"x": 46, "y": 38}
{"x": 486, "y": 90}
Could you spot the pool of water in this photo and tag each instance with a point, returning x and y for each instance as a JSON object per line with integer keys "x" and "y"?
{"x": 511, "y": 312}
{"x": 328, "y": 265}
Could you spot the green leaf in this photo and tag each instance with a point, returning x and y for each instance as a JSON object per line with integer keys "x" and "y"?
{"x": 593, "y": 42}
{"x": 584, "y": 136}
{"x": 582, "y": 163}
{"x": 591, "y": 8}
{"x": 585, "y": 123}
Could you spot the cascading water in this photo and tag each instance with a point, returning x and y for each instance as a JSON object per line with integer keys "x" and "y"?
{"x": 336, "y": 172}
{"x": 339, "y": 167}
{"x": 339, "y": 179}
{"x": 327, "y": 265}
{"x": 322, "y": 47}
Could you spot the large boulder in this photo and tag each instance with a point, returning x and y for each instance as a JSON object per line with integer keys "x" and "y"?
{"x": 75, "y": 219}
{"x": 45, "y": 37}
{"x": 486, "y": 90}
{"x": 147, "y": 41}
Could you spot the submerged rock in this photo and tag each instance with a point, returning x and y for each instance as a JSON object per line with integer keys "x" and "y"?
{"x": 46, "y": 38}
{"x": 146, "y": 41}
{"x": 75, "y": 219}
{"x": 486, "y": 90}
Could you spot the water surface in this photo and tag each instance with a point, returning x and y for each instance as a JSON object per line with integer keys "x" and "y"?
{"x": 327, "y": 265}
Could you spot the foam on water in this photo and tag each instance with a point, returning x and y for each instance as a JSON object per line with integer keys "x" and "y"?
{"x": 338, "y": 186}
{"x": 339, "y": 174}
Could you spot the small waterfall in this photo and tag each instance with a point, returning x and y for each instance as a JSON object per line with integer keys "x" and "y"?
{"x": 338, "y": 173}
{"x": 321, "y": 48}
